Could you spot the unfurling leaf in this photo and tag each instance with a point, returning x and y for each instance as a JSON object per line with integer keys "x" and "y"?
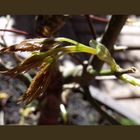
{"x": 31, "y": 62}
{"x": 39, "y": 84}
{"x": 32, "y": 45}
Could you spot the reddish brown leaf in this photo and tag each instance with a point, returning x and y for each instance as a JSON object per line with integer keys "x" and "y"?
{"x": 31, "y": 62}
{"x": 32, "y": 45}
{"x": 39, "y": 84}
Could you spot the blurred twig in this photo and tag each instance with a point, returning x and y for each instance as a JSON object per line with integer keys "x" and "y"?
{"x": 1, "y": 117}
{"x": 92, "y": 29}
{"x": 99, "y": 19}
{"x": 109, "y": 38}
{"x": 2, "y": 36}
{"x": 112, "y": 104}
{"x": 126, "y": 48}
{"x": 15, "y": 31}
{"x": 128, "y": 97}
{"x": 96, "y": 105}
{"x": 93, "y": 32}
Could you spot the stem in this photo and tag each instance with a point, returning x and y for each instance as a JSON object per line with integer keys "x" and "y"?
{"x": 109, "y": 72}
{"x": 129, "y": 79}
{"x": 63, "y": 39}
{"x": 78, "y": 48}
{"x": 93, "y": 32}
{"x": 69, "y": 49}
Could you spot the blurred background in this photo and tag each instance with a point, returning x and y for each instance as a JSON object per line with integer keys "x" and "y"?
{"x": 74, "y": 97}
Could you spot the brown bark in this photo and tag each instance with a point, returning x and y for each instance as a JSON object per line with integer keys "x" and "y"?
{"x": 49, "y": 106}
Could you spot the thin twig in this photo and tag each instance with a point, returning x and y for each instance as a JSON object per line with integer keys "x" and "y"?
{"x": 126, "y": 48}
{"x": 127, "y": 97}
{"x": 93, "y": 32}
{"x": 92, "y": 29}
{"x": 2, "y": 36}
{"x": 15, "y": 31}
{"x": 110, "y": 103}
{"x": 1, "y": 117}
{"x": 99, "y": 19}
{"x": 113, "y": 77}
{"x": 77, "y": 59}
{"x": 109, "y": 77}
{"x": 96, "y": 105}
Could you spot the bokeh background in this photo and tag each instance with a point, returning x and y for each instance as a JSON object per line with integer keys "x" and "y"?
{"x": 110, "y": 101}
